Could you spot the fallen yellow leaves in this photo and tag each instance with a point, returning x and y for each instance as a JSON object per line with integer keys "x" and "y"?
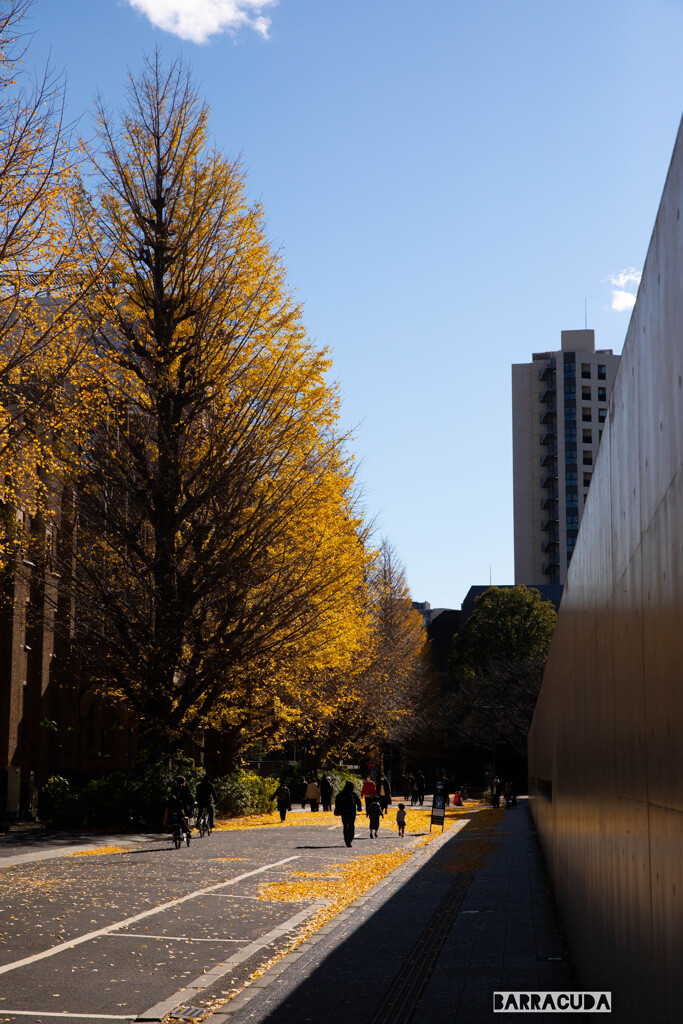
{"x": 99, "y": 851}
{"x": 417, "y": 819}
{"x": 341, "y": 886}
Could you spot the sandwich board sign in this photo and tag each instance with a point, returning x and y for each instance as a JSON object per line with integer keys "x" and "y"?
{"x": 438, "y": 811}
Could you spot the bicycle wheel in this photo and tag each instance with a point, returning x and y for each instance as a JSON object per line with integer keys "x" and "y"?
{"x": 202, "y": 826}
{"x": 177, "y": 838}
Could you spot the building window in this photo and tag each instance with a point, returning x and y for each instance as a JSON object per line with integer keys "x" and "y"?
{"x": 569, "y": 434}
{"x": 602, "y": 372}
{"x": 572, "y": 518}
{"x": 602, "y": 394}
{"x": 570, "y": 412}
{"x": 584, "y": 498}
{"x": 588, "y": 437}
{"x": 571, "y": 476}
{"x": 569, "y": 370}
{"x": 570, "y": 458}
{"x": 588, "y": 458}
{"x": 586, "y": 394}
{"x": 587, "y": 479}
{"x": 586, "y": 415}
{"x": 586, "y": 371}
{"x": 602, "y": 415}
{"x": 572, "y": 501}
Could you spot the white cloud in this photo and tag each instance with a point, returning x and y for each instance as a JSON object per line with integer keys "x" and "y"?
{"x": 626, "y": 277}
{"x": 197, "y": 20}
{"x": 624, "y": 286}
{"x": 622, "y": 301}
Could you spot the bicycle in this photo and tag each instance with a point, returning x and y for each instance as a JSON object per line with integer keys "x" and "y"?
{"x": 203, "y": 822}
{"x": 179, "y": 830}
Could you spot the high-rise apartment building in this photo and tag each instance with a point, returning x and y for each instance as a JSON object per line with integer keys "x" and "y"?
{"x": 559, "y": 407}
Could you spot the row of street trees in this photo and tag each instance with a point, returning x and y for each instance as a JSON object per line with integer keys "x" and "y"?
{"x": 164, "y": 408}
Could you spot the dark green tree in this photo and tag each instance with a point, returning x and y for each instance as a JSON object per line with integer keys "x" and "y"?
{"x": 497, "y": 668}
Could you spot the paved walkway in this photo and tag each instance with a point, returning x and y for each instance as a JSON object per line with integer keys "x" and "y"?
{"x": 434, "y": 942}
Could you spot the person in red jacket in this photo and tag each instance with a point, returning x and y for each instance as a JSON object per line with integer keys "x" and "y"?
{"x": 368, "y": 792}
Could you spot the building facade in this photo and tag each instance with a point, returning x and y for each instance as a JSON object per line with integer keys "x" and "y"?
{"x": 559, "y": 408}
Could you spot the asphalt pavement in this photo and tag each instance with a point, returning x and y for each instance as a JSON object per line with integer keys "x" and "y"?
{"x": 469, "y": 917}
{"x": 132, "y": 935}
{"x": 153, "y": 932}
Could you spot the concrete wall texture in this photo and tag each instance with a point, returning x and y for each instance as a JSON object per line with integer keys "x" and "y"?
{"x": 606, "y": 744}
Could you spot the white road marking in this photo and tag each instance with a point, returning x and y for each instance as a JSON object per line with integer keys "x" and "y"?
{"x": 138, "y": 917}
{"x": 236, "y": 896}
{"x": 194, "y": 989}
{"x": 171, "y": 938}
{"x": 66, "y": 1015}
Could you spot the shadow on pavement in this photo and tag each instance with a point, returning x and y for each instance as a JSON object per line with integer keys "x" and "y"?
{"x": 435, "y": 945}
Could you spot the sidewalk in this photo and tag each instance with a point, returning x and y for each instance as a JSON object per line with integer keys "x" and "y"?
{"x": 433, "y": 943}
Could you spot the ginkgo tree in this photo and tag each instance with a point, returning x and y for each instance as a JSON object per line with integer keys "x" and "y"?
{"x": 215, "y": 538}
{"x": 42, "y": 279}
{"x": 380, "y": 696}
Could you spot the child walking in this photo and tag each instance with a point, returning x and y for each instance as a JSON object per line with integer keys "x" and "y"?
{"x": 401, "y": 819}
{"x": 374, "y": 812}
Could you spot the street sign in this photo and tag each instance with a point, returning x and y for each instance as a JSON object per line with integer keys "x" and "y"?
{"x": 438, "y": 811}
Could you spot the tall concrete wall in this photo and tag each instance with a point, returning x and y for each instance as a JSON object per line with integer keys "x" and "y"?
{"x": 606, "y": 745}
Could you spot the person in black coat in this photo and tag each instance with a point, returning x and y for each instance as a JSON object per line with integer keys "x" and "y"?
{"x": 326, "y": 793}
{"x": 206, "y": 797}
{"x": 374, "y": 814}
{"x": 181, "y": 803}
{"x": 347, "y": 806}
{"x": 384, "y": 793}
{"x": 284, "y": 800}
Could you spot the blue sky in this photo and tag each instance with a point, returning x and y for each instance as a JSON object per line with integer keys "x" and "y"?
{"x": 448, "y": 182}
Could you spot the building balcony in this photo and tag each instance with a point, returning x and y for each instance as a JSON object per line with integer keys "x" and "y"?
{"x": 551, "y": 521}
{"x": 551, "y": 545}
{"x": 549, "y": 481}
{"x": 550, "y": 456}
{"x": 548, "y": 417}
{"x": 550, "y": 435}
{"x": 550, "y": 500}
{"x": 551, "y": 568}
{"x": 549, "y": 393}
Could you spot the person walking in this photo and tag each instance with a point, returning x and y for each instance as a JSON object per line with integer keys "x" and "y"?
{"x": 326, "y": 792}
{"x": 401, "y": 819}
{"x": 345, "y": 806}
{"x": 496, "y": 790}
{"x": 421, "y": 786}
{"x": 375, "y": 812}
{"x": 313, "y": 794}
{"x": 384, "y": 792}
{"x": 408, "y": 786}
{"x": 284, "y": 800}
{"x": 368, "y": 793}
